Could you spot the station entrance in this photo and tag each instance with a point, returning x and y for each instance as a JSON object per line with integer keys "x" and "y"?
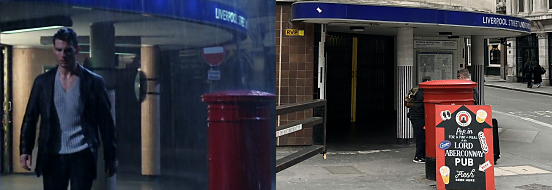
{"x": 360, "y": 88}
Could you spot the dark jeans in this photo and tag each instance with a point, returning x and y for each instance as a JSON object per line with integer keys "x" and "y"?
{"x": 79, "y": 168}
{"x": 419, "y": 134}
{"x": 529, "y": 79}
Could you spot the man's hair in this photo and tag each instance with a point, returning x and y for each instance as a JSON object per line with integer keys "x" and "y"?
{"x": 464, "y": 74}
{"x": 67, "y": 35}
{"x": 426, "y": 78}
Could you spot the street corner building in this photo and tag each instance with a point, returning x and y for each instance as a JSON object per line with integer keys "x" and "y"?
{"x": 363, "y": 56}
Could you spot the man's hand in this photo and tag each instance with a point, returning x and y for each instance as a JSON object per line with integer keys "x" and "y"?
{"x": 111, "y": 168}
{"x": 26, "y": 161}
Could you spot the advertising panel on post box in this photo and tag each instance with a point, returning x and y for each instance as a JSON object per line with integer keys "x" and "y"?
{"x": 464, "y": 148}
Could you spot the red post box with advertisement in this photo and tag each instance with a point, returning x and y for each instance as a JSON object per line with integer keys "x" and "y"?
{"x": 239, "y": 140}
{"x": 441, "y": 92}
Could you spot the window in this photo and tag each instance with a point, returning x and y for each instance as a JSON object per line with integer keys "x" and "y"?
{"x": 494, "y": 54}
{"x": 521, "y": 6}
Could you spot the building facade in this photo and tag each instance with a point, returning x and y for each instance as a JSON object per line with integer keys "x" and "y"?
{"x": 534, "y": 47}
{"x": 362, "y": 56}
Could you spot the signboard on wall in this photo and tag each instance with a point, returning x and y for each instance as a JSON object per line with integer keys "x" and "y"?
{"x": 464, "y": 148}
{"x": 437, "y": 65}
{"x": 426, "y": 44}
{"x": 295, "y": 32}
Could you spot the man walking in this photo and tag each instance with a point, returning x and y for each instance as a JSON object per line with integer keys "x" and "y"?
{"x": 528, "y": 72}
{"x": 73, "y": 106}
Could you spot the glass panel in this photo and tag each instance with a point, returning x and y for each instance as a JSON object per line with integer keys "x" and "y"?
{"x": 163, "y": 63}
{"x": 521, "y": 7}
{"x": 494, "y": 54}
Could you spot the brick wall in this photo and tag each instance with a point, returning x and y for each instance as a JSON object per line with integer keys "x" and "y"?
{"x": 294, "y": 55}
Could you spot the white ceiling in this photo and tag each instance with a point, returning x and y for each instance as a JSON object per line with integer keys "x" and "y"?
{"x": 168, "y": 33}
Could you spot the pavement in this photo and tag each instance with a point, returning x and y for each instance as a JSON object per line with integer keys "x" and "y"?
{"x": 497, "y": 82}
{"x": 525, "y": 164}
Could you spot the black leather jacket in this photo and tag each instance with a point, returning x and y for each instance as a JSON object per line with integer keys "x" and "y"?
{"x": 96, "y": 116}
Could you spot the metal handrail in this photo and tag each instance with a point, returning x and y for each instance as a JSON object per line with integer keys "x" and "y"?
{"x": 318, "y": 123}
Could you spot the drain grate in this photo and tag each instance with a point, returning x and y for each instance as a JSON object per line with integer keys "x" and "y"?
{"x": 535, "y": 187}
{"x": 342, "y": 170}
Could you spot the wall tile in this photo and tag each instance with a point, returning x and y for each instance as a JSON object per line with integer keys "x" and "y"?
{"x": 301, "y": 58}
{"x": 301, "y": 82}
{"x": 293, "y": 74}
{"x": 293, "y": 82}
{"x": 301, "y": 50}
{"x": 285, "y": 73}
{"x": 293, "y": 66}
{"x": 301, "y": 66}
{"x": 285, "y": 50}
{"x": 293, "y": 50}
{"x": 301, "y": 74}
{"x": 293, "y": 58}
{"x": 285, "y": 66}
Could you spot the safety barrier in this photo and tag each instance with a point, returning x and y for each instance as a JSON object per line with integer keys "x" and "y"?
{"x": 318, "y": 123}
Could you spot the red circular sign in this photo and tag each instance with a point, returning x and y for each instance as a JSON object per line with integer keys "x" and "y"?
{"x": 213, "y": 55}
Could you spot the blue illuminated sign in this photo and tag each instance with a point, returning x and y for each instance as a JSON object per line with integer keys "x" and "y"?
{"x": 206, "y": 12}
{"x": 321, "y": 10}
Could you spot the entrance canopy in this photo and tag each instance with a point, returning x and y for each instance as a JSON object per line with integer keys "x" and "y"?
{"x": 383, "y": 20}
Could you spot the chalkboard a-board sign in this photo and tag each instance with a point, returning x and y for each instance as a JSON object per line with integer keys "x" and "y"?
{"x": 464, "y": 148}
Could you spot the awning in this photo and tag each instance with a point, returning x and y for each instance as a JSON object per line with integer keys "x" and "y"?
{"x": 433, "y": 20}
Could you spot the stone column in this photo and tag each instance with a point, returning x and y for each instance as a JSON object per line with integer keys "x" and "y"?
{"x": 478, "y": 57}
{"x": 511, "y": 61}
{"x": 544, "y": 6}
{"x": 405, "y": 61}
{"x": 151, "y": 144}
{"x": 102, "y": 57}
{"x": 509, "y": 7}
{"x": 543, "y": 57}
{"x": 526, "y": 6}
{"x": 536, "y": 6}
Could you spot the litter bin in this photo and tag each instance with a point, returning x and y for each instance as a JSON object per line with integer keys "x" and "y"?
{"x": 444, "y": 92}
{"x": 239, "y": 139}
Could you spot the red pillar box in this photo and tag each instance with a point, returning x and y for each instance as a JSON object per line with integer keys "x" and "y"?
{"x": 239, "y": 139}
{"x": 465, "y": 158}
{"x": 446, "y": 92}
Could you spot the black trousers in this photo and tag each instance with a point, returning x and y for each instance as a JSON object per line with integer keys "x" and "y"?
{"x": 78, "y": 168}
{"x": 529, "y": 79}
{"x": 419, "y": 134}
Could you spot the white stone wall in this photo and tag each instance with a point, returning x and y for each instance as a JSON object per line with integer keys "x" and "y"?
{"x": 466, "y": 5}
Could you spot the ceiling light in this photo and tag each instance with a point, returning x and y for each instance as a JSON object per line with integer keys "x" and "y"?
{"x": 37, "y": 24}
{"x": 357, "y": 28}
{"x": 445, "y": 33}
{"x": 31, "y": 29}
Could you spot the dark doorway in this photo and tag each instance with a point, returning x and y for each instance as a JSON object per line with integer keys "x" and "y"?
{"x": 374, "y": 118}
{"x": 527, "y": 48}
